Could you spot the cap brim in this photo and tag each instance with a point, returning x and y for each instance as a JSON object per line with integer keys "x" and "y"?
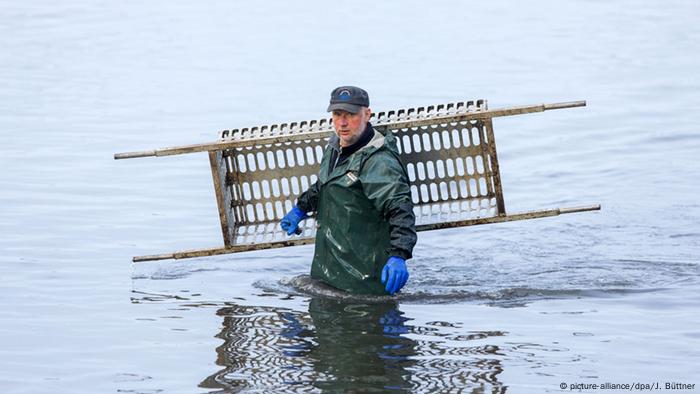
{"x": 352, "y": 108}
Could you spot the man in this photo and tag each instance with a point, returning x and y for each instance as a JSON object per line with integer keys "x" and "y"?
{"x": 362, "y": 199}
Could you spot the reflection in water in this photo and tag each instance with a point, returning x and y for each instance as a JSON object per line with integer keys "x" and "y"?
{"x": 264, "y": 348}
{"x": 344, "y": 346}
{"x": 361, "y": 346}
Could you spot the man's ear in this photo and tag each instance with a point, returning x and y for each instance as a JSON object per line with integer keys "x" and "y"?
{"x": 368, "y": 112}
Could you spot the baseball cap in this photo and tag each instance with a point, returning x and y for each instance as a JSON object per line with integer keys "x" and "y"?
{"x": 348, "y": 98}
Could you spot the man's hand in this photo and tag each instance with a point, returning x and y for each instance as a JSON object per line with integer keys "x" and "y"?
{"x": 290, "y": 221}
{"x": 394, "y": 274}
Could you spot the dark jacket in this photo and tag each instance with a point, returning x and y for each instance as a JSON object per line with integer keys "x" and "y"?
{"x": 364, "y": 213}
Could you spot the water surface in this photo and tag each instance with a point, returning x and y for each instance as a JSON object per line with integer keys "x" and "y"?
{"x": 521, "y": 307}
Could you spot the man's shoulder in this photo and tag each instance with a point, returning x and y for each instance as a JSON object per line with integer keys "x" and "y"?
{"x": 382, "y": 152}
{"x": 383, "y": 160}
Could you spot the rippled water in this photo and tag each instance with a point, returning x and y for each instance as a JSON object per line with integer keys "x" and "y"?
{"x": 521, "y": 307}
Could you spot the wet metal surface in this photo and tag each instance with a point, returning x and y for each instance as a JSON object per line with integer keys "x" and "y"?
{"x": 449, "y": 152}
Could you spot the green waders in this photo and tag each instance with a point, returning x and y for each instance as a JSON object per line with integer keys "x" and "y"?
{"x": 354, "y": 238}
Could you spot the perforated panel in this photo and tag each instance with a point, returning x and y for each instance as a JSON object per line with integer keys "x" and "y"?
{"x": 452, "y": 167}
{"x": 450, "y": 170}
{"x": 265, "y": 182}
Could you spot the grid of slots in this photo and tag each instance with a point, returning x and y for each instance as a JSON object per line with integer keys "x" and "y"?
{"x": 449, "y": 166}
{"x": 265, "y": 183}
{"x": 384, "y": 118}
{"x": 277, "y": 130}
{"x": 450, "y": 170}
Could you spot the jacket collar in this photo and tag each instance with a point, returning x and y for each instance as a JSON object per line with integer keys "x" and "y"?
{"x": 376, "y": 142}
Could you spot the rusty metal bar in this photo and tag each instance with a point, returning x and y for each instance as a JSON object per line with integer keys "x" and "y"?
{"x": 223, "y": 200}
{"x": 323, "y": 128}
{"x": 508, "y": 218}
{"x": 185, "y": 254}
{"x": 305, "y": 241}
{"x": 495, "y": 169}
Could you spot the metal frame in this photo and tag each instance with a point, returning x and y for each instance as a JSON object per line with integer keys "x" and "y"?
{"x": 449, "y": 152}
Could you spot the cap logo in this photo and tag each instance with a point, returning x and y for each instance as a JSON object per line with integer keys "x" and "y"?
{"x": 344, "y": 95}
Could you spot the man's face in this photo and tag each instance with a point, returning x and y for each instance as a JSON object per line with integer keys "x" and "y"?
{"x": 349, "y": 126}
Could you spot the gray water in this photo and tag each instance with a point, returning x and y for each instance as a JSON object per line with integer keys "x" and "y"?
{"x": 523, "y": 307}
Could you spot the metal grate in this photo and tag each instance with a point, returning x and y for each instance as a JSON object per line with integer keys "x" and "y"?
{"x": 264, "y": 182}
{"x": 452, "y": 167}
{"x": 449, "y": 152}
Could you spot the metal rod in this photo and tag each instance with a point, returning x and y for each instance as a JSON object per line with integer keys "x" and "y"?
{"x": 570, "y": 104}
{"x": 133, "y": 155}
{"x": 305, "y": 241}
{"x": 323, "y": 133}
{"x": 508, "y": 218}
{"x": 580, "y": 209}
{"x": 224, "y": 250}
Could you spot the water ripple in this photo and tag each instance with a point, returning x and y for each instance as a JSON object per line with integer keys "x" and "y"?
{"x": 346, "y": 346}
{"x": 304, "y": 285}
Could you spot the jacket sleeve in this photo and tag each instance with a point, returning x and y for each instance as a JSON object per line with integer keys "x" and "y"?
{"x": 385, "y": 183}
{"x": 308, "y": 200}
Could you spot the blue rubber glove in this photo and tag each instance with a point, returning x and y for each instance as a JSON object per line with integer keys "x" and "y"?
{"x": 394, "y": 274}
{"x": 290, "y": 221}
